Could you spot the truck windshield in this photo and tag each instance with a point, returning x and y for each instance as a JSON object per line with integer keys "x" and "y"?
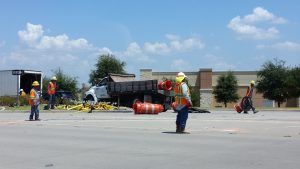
{"x": 103, "y": 82}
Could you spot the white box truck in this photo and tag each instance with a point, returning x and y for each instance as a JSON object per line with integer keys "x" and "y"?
{"x": 11, "y": 81}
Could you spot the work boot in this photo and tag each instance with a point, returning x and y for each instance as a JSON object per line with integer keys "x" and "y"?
{"x": 30, "y": 118}
{"x": 182, "y": 131}
{"x": 177, "y": 129}
{"x": 255, "y": 111}
{"x": 245, "y": 112}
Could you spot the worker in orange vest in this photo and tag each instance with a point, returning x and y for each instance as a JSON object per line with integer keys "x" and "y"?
{"x": 34, "y": 100}
{"x": 51, "y": 91}
{"x": 22, "y": 93}
{"x": 248, "y": 98}
{"x": 182, "y": 101}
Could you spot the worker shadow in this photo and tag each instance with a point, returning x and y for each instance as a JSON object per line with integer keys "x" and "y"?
{"x": 173, "y": 132}
{"x": 170, "y": 132}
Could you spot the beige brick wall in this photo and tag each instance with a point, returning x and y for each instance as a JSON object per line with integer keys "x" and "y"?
{"x": 146, "y": 74}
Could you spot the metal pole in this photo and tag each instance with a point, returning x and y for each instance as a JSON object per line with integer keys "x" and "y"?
{"x": 18, "y": 95}
{"x": 118, "y": 102}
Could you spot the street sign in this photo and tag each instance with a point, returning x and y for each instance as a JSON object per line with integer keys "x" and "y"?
{"x": 17, "y": 72}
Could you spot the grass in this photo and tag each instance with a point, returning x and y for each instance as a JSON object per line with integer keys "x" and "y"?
{"x": 22, "y": 108}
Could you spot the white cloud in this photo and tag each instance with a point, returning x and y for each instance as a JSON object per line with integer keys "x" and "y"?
{"x": 34, "y": 37}
{"x": 154, "y": 50}
{"x": 180, "y": 65}
{"x": 104, "y": 50}
{"x": 31, "y": 34}
{"x": 287, "y": 46}
{"x": 246, "y": 27}
{"x": 133, "y": 49}
{"x": 172, "y": 37}
{"x": 77, "y": 57}
{"x": 187, "y": 44}
{"x": 217, "y": 63}
{"x": 62, "y": 42}
{"x": 260, "y": 14}
{"x": 134, "y": 54}
{"x": 174, "y": 44}
{"x": 156, "y": 47}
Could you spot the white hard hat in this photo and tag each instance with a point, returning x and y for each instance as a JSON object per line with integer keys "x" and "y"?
{"x": 21, "y": 90}
{"x": 180, "y": 76}
{"x": 54, "y": 78}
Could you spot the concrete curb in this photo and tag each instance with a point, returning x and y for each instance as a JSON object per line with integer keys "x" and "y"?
{"x": 67, "y": 111}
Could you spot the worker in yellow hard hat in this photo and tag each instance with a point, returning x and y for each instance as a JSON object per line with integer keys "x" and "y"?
{"x": 182, "y": 101}
{"x": 247, "y": 100}
{"x": 51, "y": 92}
{"x": 34, "y": 100}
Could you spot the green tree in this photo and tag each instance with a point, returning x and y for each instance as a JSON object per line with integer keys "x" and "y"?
{"x": 272, "y": 81}
{"x": 195, "y": 95}
{"x": 293, "y": 82}
{"x": 226, "y": 89}
{"x": 106, "y": 64}
{"x": 64, "y": 82}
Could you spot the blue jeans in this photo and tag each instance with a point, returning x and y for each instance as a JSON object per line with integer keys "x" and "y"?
{"x": 182, "y": 117}
{"x": 34, "y": 111}
{"x": 51, "y": 101}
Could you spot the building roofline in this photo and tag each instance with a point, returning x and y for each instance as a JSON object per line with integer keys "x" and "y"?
{"x": 236, "y": 72}
{"x": 25, "y": 71}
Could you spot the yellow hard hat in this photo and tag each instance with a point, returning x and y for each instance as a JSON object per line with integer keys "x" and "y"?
{"x": 54, "y": 78}
{"x": 252, "y": 82}
{"x": 180, "y": 76}
{"x": 35, "y": 83}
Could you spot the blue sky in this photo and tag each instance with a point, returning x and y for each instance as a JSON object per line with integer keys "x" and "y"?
{"x": 169, "y": 35}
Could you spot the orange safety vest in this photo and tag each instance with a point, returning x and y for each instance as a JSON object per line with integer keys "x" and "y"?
{"x": 33, "y": 95}
{"x": 249, "y": 91}
{"x": 23, "y": 94}
{"x": 179, "y": 98}
{"x": 51, "y": 88}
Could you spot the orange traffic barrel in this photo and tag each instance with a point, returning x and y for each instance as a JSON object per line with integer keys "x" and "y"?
{"x": 238, "y": 107}
{"x": 147, "y": 108}
{"x": 174, "y": 106}
{"x": 165, "y": 85}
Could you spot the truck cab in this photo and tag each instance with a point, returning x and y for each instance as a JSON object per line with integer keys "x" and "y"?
{"x": 101, "y": 89}
{"x": 99, "y": 92}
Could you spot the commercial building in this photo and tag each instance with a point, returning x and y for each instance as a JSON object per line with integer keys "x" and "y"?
{"x": 206, "y": 79}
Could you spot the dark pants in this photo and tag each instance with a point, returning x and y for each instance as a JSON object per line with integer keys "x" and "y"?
{"x": 51, "y": 101}
{"x": 182, "y": 117}
{"x": 34, "y": 111}
{"x": 247, "y": 102}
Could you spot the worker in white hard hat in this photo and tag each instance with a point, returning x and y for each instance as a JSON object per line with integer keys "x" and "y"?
{"x": 182, "y": 101}
{"x": 247, "y": 100}
{"x": 34, "y": 100}
{"x": 51, "y": 92}
{"x": 22, "y": 93}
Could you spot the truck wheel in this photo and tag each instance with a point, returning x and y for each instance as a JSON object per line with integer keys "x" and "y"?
{"x": 89, "y": 98}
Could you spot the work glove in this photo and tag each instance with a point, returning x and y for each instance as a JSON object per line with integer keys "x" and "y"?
{"x": 190, "y": 104}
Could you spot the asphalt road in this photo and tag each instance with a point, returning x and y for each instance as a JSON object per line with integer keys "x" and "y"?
{"x": 220, "y": 140}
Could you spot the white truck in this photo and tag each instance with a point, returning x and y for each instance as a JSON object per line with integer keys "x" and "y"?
{"x": 124, "y": 90}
